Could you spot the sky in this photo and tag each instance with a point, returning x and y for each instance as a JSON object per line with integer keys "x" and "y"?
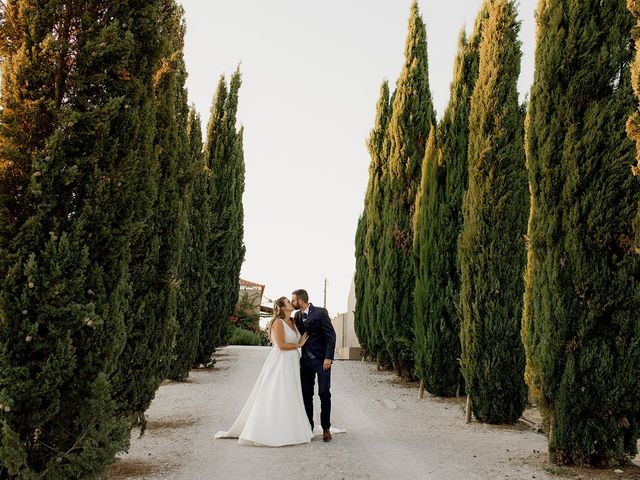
{"x": 311, "y": 77}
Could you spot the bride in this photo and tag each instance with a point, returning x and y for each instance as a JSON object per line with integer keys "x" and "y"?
{"x": 274, "y": 414}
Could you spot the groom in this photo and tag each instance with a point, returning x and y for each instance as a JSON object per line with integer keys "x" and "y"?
{"x": 317, "y": 357}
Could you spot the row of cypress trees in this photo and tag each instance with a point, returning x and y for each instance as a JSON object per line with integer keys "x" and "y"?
{"x": 115, "y": 224}
{"x": 518, "y": 232}
{"x": 384, "y": 292}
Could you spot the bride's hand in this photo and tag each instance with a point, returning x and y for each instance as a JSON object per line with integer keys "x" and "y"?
{"x": 303, "y": 339}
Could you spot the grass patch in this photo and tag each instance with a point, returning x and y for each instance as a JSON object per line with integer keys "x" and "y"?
{"x": 170, "y": 424}
{"x": 130, "y": 468}
{"x": 556, "y": 470}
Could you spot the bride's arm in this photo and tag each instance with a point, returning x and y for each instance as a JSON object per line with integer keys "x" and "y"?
{"x": 278, "y": 337}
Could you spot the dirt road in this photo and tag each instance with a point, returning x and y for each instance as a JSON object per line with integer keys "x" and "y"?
{"x": 391, "y": 434}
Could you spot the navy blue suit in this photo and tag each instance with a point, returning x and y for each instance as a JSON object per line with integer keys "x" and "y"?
{"x": 320, "y": 346}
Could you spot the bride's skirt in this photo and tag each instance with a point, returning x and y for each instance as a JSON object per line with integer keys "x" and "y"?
{"x": 274, "y": 413}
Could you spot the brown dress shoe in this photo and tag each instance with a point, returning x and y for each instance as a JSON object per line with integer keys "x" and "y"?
{"x": 326, "y": 435}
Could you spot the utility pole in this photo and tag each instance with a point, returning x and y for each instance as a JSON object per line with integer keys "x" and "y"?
{"x": 325, "y": 292}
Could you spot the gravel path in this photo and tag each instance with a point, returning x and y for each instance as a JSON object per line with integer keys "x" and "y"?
{"x": 391, "y": 434}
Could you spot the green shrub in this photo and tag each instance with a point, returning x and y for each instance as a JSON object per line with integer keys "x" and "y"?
{"x": 240, "y": 336}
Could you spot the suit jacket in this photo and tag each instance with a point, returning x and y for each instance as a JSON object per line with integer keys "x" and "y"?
{"x": 322, "y": 337}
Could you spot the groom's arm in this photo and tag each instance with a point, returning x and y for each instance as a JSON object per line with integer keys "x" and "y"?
{"x": 329, "y": 333}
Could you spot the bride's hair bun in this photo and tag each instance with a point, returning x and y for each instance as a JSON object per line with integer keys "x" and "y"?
{"x": 278, "y": 307}
{"x": 278, "y": 312}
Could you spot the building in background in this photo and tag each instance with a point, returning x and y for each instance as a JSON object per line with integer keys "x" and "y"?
{"x": 247, "y": 312}
{"x": 347, "y": 344}
{"x": 252, "y": 294}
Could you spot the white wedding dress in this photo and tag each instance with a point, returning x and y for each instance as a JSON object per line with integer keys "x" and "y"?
{"x": 274, "y": 413}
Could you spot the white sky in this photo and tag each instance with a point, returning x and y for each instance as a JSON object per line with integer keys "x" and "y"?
{"x": 311, "y": 77}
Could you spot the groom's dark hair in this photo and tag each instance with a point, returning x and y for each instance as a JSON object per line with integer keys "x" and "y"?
{"x": 301, "y": 295}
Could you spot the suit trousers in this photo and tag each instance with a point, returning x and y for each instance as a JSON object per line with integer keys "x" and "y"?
{"x": 309, "y": 369}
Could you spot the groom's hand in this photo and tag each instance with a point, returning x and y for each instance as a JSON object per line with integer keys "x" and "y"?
{"x": 327, "y": 364}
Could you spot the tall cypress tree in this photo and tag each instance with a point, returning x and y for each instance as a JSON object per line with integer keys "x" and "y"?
{"x": 194, "y": 287}
{"x": 428, "y": 319}
{"x": 144, "y": 363}
{"x": 76, "y": 133}
{"x": 228, "y": 214}
{"x": 225, "y": 252}
{"x": 214, "y": 146}
{"x": 581, "y": 325}
{"x": 378, "y": 147}
{"x": 368, "y": 233}
{"x": 437, "y": 290}
{"x": 412, "y": 115}
{"x": 360, "y": 281}
{"x": 492, "y": 254}
{"x": 633, "y": 123}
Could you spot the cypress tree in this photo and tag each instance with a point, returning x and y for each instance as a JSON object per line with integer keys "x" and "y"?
{"x": 144, "y": 363}
{"x": 412, "y": 115}
{"x": 429, "y": 326}
{"x": 193, "y": 285}
{"x": 360, "y": 281}
{"x": 225, "y": 252}
{"x": 492, "y": 254}
{"x": 378, "y": 147}
{"x": 437, "y": 290}
{"x": 229, "y": 216}
{"x": 214, "y": 146}
{"x": 581, "y": 326}
{"x": 76, "y": 132}
{"x": 633, "y": 123}
{"x": 368, "y": 233}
